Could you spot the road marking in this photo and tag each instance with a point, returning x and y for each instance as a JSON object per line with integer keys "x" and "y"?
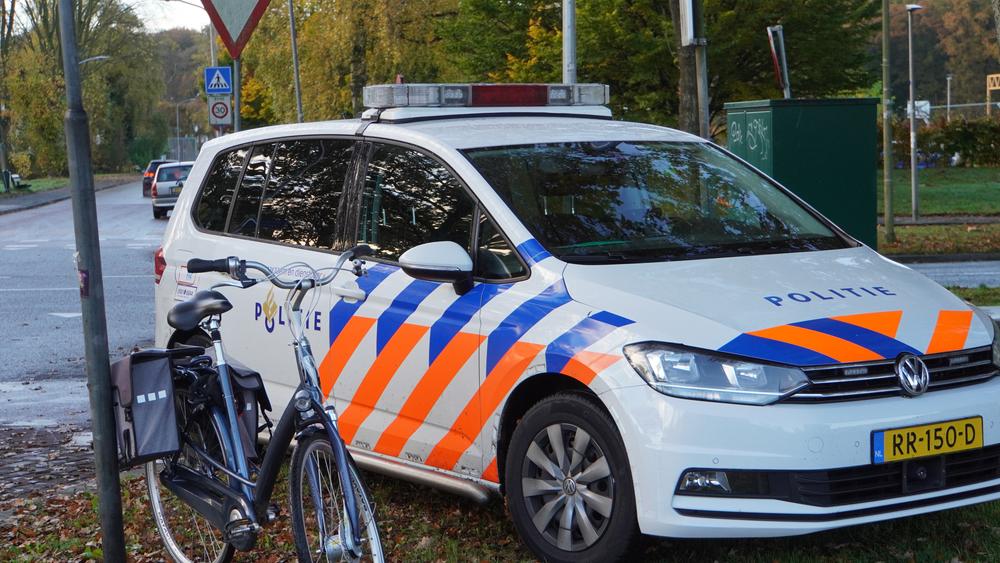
{"x": 15, "y": 289}
{"x": 36, "y": 240}
{"x": 131, "y": 276}
{"x": 19, "y": 246}
{"x": 67, "y": 315}
{"x": 134, "y": 246}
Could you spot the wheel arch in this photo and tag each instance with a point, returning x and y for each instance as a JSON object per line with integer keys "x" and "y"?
{"x": 527, "y": 394}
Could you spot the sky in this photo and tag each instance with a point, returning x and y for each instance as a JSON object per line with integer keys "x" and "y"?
{"x": 166, "y": 14}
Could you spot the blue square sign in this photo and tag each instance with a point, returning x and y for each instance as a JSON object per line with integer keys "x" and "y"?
{"x": 218, "y": 80}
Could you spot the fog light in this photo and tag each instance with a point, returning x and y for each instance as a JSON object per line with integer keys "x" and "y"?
{"x": 705, "y": 481}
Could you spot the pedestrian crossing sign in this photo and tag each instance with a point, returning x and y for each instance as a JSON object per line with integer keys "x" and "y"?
{"x": 218, "y": 80}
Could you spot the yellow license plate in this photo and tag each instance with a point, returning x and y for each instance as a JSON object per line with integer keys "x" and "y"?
{"x": 929, "y": 439}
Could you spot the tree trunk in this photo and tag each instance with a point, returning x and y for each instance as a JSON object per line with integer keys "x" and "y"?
{"x": 687, "y": 85}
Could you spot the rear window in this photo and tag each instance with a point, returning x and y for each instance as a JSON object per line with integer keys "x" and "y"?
{"x": 173, "y": 173}
{"x": 154, "y": 164}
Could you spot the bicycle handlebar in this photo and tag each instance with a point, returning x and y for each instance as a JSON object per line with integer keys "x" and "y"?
{"x": 236, "y": 268}
{"x": 197, "y": 265}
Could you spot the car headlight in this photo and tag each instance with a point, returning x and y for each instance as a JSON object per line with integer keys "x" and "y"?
{"x": 695, "y": 374}
{"x": 995, "y": 326}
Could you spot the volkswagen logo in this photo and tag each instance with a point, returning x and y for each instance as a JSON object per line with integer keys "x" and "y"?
{"x": 913, "y": 375}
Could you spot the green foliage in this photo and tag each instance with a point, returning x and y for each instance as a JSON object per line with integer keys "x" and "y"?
{"x": 119, "y": 93}
{"x": 976, "y": 142}
{"x": 629, "y": 45}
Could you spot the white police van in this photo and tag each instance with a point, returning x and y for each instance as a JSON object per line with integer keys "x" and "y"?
{"x": 621, "y": 327}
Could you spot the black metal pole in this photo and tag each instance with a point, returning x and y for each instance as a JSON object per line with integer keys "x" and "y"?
{"x": 88, "y": 264}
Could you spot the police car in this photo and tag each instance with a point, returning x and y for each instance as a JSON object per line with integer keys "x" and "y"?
{"x": 620, "y": 327}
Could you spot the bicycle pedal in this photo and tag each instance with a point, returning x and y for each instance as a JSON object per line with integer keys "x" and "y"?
{"x": 242, "y": 534}
{"x": 272, "y": 513}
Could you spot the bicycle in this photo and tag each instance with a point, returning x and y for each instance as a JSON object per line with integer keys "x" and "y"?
{"x": 212, "y": 497}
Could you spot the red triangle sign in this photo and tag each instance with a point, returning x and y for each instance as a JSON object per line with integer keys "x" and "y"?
{"x": 235, "y": 20}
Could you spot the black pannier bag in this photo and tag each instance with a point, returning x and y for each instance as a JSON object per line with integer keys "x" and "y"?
{"x": 142, "y": 390}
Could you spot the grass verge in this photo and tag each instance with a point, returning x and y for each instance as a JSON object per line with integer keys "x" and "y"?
{"x": 946, "y": 191}
{"x": 942, "y": 239}
{"x": 54, "y": 183}
{"x": 419, "y": 524}
{"x": 982, "y": 296}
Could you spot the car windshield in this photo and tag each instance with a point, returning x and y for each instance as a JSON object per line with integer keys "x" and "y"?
{"x": 621, "y": 201}
{"x": 172, "y": 174}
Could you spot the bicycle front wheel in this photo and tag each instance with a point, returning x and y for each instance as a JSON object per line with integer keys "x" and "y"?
{"x": 187, "y": 536}
{"x": 317, "y": 505}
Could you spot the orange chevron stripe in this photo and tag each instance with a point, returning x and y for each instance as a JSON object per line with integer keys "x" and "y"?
{"x": 885, "y": 323}
{"x": 584, "y": 366}
{"x": 836, "y": 348}
{"x": 951, "y": 331}
{"x": 427, "y": 392}
{"x": 341, "y": 350}
{"x": 492, "y": 473}
{"x": 483, "y": 403}
{"x": 377, "y": 379}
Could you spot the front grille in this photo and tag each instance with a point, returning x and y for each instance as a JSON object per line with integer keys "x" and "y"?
{"x": 850, "y": 382}
{"x": 863, "y": 483}
{"x": 867, "y": 483}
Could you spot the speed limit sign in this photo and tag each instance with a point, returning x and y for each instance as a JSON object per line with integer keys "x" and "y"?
{"x": 219, "y": 110}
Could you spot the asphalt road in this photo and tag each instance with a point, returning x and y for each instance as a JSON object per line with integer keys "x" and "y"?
{"x": 962, "y": 274}
{"x": 42, "y": 370}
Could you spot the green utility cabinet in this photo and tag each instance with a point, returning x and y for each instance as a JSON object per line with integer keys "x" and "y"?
{"x": 823, "y": 150}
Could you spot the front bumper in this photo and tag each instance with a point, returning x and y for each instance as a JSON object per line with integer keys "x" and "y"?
{"x": 665, "y": 436}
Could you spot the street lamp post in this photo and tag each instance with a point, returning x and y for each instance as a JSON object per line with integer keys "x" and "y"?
{"x": 887, "y": 159}
{"x": 569, "y": 41}
{"x": 295, "y": 62}
{"x": 914, "y": 201}
{"x": 949, "y": 98}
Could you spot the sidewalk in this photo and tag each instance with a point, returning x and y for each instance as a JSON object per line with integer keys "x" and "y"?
{"x": 906, "y": 220}
{"x": 30, "y": 200}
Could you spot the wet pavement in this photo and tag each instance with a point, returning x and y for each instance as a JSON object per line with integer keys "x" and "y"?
{"x": 54, "y": 460}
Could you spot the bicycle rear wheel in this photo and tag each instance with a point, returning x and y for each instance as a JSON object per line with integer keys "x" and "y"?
{"x": 187, "y": 536}
{"x": 318, "y": 532}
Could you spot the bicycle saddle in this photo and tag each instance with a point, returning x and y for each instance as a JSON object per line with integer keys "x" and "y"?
{"x": 187, "y": 314}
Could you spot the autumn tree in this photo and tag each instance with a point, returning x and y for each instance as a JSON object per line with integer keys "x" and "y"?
{"x": 119, "y": 92}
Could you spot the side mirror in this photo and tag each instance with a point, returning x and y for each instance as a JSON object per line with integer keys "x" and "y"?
{"x": 442, "y": 261}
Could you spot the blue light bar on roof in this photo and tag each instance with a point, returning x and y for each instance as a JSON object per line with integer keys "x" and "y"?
{"x": 485, "y": 95}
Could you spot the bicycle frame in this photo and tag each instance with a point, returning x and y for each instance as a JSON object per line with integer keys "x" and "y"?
{"x": 301, "y": 415}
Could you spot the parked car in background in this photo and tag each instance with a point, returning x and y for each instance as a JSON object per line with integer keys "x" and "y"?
{"x": 149, "y": 173}
{"x": 167, "y": 183}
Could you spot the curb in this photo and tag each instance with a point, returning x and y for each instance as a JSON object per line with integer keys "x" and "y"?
{"x": 62, "y": 197}
{"x": 937, "y": 258}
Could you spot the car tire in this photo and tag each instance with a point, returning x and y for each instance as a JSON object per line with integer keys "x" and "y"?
{"x": 146, "y": 191}
{"x": 159, "y": 213}
{"x": 596, "y": 484}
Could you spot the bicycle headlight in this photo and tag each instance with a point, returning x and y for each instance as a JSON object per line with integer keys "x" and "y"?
{"x": 697, "y": 374}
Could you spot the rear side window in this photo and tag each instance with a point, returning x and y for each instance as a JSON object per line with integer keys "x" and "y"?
{"x": 409, "y": 199}
{"x": 247, "y": 206}
{"x": 217, "y": 194}
{"x": 303, "y": 192}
